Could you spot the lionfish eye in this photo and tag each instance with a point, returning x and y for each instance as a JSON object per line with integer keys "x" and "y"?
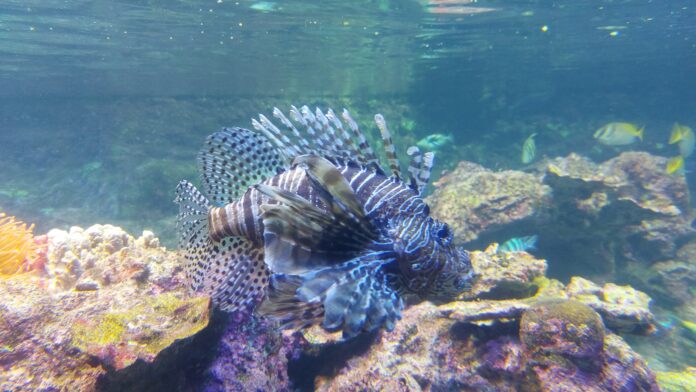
{"x": 443, "y": 232}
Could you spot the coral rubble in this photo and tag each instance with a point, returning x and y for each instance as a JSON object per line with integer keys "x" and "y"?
{"x": 104, "y": 301}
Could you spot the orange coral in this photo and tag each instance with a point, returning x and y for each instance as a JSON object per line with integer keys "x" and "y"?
{"x": 17, "y": 246}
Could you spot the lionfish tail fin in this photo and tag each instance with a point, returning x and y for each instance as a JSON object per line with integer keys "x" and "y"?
{"x": 230, "y": 270}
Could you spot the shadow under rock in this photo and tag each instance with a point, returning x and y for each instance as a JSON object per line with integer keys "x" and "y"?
{"x": 327, "y": 361}
{"x": 178, "y": 368}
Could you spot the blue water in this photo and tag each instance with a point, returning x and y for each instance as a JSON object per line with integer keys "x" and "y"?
{"x": 104, "y": 104}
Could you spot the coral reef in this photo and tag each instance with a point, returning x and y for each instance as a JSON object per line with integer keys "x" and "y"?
{"x": 104, "y": 301}
{"x": 17, "y": 246}
{"x": 476, "y": 345}
{"x": 474, "y": 200}
{"x": 109, "y": 311}
{"x": 433, "y": 348}
{"x": 601, "y": 216}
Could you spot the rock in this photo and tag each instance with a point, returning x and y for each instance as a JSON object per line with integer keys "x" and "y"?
{"x": 623, "y": 308}
{"x": 105, "y": 255}
{"x": 442, "y": 348}
{"x": 504, "y": 275}
{"x": 93, "y": 312}
{"x": 598, "y": 216}
{"x": 251, "y": 356}
{"x": 473, "y": 200}
{"x": 684, "y": 381}
{"x": 563, "y": 330}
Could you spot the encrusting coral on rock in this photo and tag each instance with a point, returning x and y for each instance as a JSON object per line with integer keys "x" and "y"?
{"x": 601, "y": 216}
{"x": 483, "y": 345}
{"x": 112, "y": 312}
{"x": 104, "y": 301}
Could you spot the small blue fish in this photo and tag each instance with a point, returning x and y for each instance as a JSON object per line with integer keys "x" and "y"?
{"x": 519, "y": 244}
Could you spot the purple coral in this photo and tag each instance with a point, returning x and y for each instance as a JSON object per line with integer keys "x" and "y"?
{"x": 252, "y": 356}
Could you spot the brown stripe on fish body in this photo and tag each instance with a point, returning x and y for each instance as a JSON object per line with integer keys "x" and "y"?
{"x": 223, "y": 222}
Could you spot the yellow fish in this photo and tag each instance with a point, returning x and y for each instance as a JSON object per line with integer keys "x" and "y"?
{"x": 685, "y": 137}
{"x": 619, "y": 134}
{"x": 529, "y": 149}
{"x": 675, "y": 164}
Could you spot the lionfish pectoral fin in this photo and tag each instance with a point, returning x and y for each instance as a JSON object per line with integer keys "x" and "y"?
{"x": 335, "y": 188}
{"x": 230, "y": 270}
{"x": 362, "y": 303}
{"x": 354, "y": 297}
{"x": 299, "y": 236}
{"x": 281, "y": 303}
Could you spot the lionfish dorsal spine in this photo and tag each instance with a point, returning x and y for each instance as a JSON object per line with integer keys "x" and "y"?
{"x": 351, "y": 150}
{"x": 389, "y": 148}
{"x": 363, "y": 145}
{"x": 303, "y": 144}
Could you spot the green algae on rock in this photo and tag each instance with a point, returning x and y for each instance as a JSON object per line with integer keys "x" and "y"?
{"x": 141, "y": 331}
{"x": 684, "y": 381}
{"x": 60, "y": 337}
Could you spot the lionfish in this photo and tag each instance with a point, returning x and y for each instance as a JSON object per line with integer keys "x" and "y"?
{"x": 308, "y": 220}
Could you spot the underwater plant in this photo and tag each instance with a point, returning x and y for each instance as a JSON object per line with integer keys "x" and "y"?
{"x": 17, "y": 245}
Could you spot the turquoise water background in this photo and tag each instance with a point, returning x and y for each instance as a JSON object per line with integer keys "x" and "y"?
{"x": 103, "y": 104}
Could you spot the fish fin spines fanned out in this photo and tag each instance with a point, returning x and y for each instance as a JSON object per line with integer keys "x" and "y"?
{"x": 192, "y": 227}
{"x": 322, "y": 134}
{"x": 389, "y": 148}
{"x": 356, "y": 297}
{"x": 230, "y": 270}
{"x": 232, "y": 160}
{"x": 419, "y": 168}
{"x": 299, "y": 236}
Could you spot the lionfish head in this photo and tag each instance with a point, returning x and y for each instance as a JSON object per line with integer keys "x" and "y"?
{"x": 430, "y": 264}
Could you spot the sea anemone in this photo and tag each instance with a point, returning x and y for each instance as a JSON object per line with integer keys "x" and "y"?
{"x": 17, "y": 246}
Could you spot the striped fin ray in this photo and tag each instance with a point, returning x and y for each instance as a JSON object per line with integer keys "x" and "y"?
{"x": 414, "y": 168}
{"x": 303, "y": 143}
{"x": 426, "y": 168}
{"x": 389, "y": 149}
{"x": 230, "y": 270}
{"x": 298, "y": 235}
{"x": 354, "y": 296}
{"x": 233, "y": 159}
{"x": 351, "y": 149}
{"x": 363, "y": 145}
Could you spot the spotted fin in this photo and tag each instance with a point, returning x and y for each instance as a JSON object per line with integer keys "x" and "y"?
{"x": 233, "y": 159}
{"x": 354, "y": 297}
{"x": 230, "y": 270}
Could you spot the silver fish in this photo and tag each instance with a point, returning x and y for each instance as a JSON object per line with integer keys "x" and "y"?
{"x": 529, "y": 149}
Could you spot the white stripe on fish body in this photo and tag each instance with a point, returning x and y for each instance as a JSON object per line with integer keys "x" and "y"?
{"x": 380, "y": 196}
